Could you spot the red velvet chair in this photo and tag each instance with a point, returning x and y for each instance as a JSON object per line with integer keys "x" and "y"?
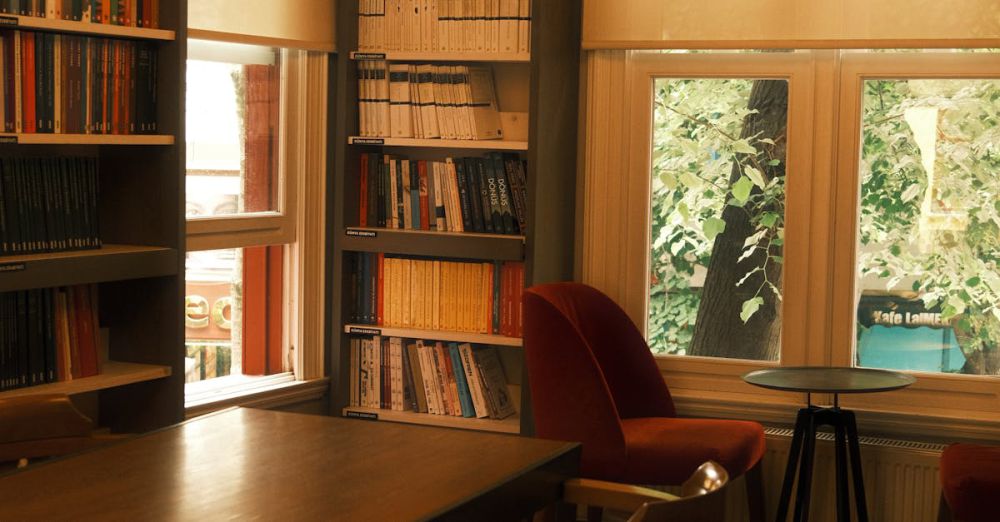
{"x": 594, "y": 380}
{"x": 970, "y": 483}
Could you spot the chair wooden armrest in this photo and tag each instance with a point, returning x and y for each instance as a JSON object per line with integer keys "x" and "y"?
{"x": 611, "y": 495}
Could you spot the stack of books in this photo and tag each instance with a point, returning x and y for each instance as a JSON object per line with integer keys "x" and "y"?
{"x": 486, "y": 26}
{"x": 427, "y": 101}
{"x": 129, "y": 13}
{"x": 453, "y": 379}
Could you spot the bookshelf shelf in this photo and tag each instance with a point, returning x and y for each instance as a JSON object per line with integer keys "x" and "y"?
{"x": 437, "y": 335}
{"x": 86, "y": 139}
{"x": 87, "y": 28}
{"x": 496, "y": 145}
{"x": 113, "y": 374}
{"x": 433, "y": 56}
{"x": 509, "y": 425}
{"x": 109, "y": 263}
{"x": 459, "y": 245}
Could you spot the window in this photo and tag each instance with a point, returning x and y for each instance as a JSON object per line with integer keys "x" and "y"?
{"x": 882, "y": 230}
{"x": 253, "y": 175}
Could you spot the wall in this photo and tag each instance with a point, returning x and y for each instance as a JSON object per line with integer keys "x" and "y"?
{"x": 310, "y": 25}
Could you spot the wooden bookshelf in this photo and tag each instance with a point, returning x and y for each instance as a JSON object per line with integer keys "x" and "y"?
{"x": 85, "y": 139}
{"x": 497, "y": 145}
{"x": 113, "y": 374}
{"x": 508, "y": 425}
{"x": 437, "y": 335}
{"x": 109, "y": 263}
{"x": 420, "y": 56}
{"x": 456, "y": 245}
{"x": 35, "y": 23}
{"x": 140, "y": 270}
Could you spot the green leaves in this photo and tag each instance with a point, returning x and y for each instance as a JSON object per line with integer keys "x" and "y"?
{"x": 755, "y": 176}
{"x": 750, "y": 307}
{"x": 768, "y": 219}
{"x": 741, "y": 189}
{"x": 743, "y": 147}
{"x": 712, "y": 227}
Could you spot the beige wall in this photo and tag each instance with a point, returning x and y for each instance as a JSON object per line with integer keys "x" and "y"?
{"x": 308, "y": 25}
{"x": 648, "y": 24}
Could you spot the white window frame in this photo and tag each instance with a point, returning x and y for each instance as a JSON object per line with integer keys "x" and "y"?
{"x": 818, "y": 283}
{"x": 299, "y": 224}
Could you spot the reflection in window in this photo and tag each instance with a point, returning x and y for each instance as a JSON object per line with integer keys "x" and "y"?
{"x": 718, "y": 199}
{"x": 929, "y": 284}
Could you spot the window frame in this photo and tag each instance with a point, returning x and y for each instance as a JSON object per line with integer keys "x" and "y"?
{"x": 615, "y": 233}
{"x": 298, "y": 224}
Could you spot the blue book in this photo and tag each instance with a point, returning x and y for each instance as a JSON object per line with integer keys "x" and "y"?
{"x": 464, "y": 397}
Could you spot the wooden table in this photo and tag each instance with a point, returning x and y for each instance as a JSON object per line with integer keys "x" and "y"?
{"x": 246, "y": 464}
{"x": 835, "y": 380}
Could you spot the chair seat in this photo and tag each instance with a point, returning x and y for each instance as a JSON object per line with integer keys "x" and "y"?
{"x": 970, "y": 481}
{"x": 663, "y": 450}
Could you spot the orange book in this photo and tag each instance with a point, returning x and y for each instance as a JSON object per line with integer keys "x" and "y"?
{"x": 380, "y": 292}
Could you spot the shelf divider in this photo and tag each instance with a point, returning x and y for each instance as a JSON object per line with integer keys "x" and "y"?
{"x": 108, "y": 263}
{"x": 113, "y": 374}
{"x": 85, "y": 139}
{"x": 440, "y": 56}
{"x": 440, "y": 144}
{"x": 455, "y": 245}
{"x": 38, "y": 23}
{"x": 511, "y": 424}
{"x": 437, "y": 335}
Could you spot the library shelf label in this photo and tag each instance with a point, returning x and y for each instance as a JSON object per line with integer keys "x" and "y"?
{"x": 362, "y": 233}
{"x": 8, "y": 140}
{"x": 365, "y": 331}
{"x": 366, "y": 56}
{"x": 361, "y": 415}
{"x": 9, "y": 21}
{"x": 12, "y": 267}
{"x": 368, "y": 141}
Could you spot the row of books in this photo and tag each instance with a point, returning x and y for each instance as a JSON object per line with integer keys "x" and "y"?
{"x": 59, "y": 83}
{"x": 453, "y": 379}
{"x": 486, "y": 26}
{"x": 424, "y": 101}
{"x": 431, "y": 294}
{"x": 48, "y": 335}
{"x": 456, "y": 195}
{"x": 48, "y": 205}
{"x": 130, "y": 13}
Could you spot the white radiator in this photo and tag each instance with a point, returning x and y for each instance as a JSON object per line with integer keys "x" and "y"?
{"x": 901, "y": 479}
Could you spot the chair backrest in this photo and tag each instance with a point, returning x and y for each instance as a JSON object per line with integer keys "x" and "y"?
{"x": 701, "y": 499}
{"x": 588, "y": 367}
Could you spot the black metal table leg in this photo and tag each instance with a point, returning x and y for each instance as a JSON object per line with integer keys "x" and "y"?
{"x": 793, "y": 464}
{"x": 805, "y": 470}
{"x": 855, "y": 447}
{"x": 843, "y": 494}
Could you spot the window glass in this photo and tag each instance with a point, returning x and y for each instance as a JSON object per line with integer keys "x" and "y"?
{"x": 718, "y": 199}
{"x": 231, "y": 325}
{"x": 929, "y": 229}
{"x": 232, "y": 129}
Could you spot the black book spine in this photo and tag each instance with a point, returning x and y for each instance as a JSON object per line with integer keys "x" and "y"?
{"x": 36, "y": 193}
{"x": 47, "y": 222}
{"x": 399, "y": 207}
{"x": 49, "y": 334}
{"x": 475, "y": 196}
{"x": 373, "y": 174}
{"x": 6, "y": 323}
{"x": 379, "y": 200}
{"x": 414, "y": 194}
{"x": 18, "y": 205}
{"x": 485, "y": 208}
{"x": 463, "y": 195}
{"x": 5, "y": 236}
{"x": 92, "y": 202}
{"x": 40, "y": 83}
{"x": 36, "y": 360}
{"x": 504, "y": 193}
{"x": 373, "y": 288}
{"x": 496, "y": 209}
{"x": 50, "y": 81}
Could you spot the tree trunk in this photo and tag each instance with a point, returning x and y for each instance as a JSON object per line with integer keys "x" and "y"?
{"x": 719, "y": 330}
{"x": 981, "y": 358}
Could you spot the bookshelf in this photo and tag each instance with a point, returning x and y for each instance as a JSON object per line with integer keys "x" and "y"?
{"x": 139, "y": 271}
{"x": 543, "y": 85}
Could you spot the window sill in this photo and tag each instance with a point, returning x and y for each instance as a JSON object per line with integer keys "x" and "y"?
{"x": 911, "y": 426}
{"x": 258, "y": 392}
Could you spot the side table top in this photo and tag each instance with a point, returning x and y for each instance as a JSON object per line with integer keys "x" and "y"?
{"x": 828, "y": 379}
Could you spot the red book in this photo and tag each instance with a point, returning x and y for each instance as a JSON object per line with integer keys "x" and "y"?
{"x": 425, "y": 214}
{"x": 518, "y": 305}
{"x": 379, "y": 297}
{"x": 363, "y": 218}
{"x": 116, "y": 93}
{"x": 489, "y": 299}
{"x": 86, "y": 330}
{"x": 28, "y": 82}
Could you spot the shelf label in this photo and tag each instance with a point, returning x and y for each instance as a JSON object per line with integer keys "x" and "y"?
{"x": 8, "y": 21}
{"x": 369, "y": 141}
{"x": 8, "y": 140}
{"x": 364, "y": 331}
{"x": 369, "y": 56}
{"x": 361, "y": 415}
{"x": 12, "y": 267}
{"x": 362, "y": 233}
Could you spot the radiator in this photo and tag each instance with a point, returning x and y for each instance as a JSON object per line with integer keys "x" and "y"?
{"x": 901, "y": 479}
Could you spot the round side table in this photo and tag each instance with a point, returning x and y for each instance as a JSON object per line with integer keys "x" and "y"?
{"x": 835, "y": 380}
